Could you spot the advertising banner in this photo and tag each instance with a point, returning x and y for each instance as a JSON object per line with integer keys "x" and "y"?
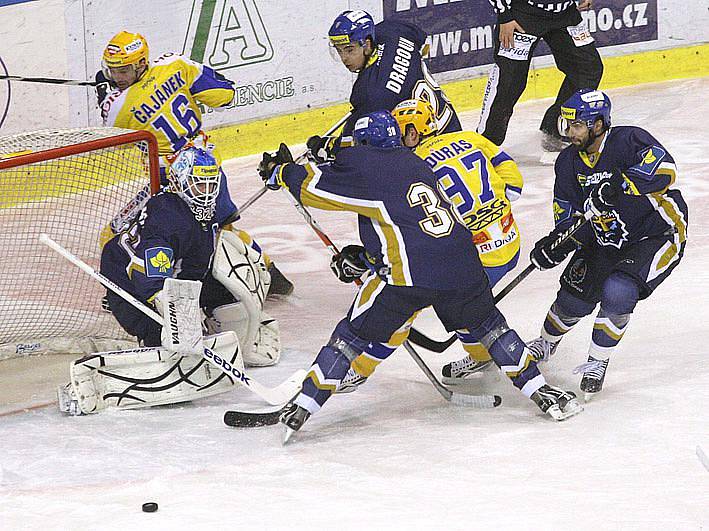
{"x": 461, "y": 32}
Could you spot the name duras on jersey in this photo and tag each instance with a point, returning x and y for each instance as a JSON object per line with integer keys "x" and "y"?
{"x": 400, "y": 67}
{"x": 161, "y": 94}
{"x": 447, "y": 152}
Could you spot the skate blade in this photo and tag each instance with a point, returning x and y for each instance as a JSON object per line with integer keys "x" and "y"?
{"x": 588, "y": 396}
{"x": 573, "y": 407}
{"x": 287, "y": 435}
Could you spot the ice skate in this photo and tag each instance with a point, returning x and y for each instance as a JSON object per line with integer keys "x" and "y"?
{"x": 542, "y": 349}
{"x": 293, "y": 417}
{"x": 350, "y": 382}
{"x": 459, "y": 371}
{"x": 594, "y": 372}
{"x": 557, "y": 403}
{"x": 280, "y": 285}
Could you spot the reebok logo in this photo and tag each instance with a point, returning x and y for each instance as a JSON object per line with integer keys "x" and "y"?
{"x": 226, "y": 366}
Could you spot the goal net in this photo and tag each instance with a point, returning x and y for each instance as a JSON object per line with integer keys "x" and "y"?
{"x": 71, "y": 185}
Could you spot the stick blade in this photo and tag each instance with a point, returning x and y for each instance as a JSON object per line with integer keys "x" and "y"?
{"x": 477, "y": 401}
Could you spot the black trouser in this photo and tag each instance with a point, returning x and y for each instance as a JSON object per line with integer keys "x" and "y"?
{"x": 581, "y": 64}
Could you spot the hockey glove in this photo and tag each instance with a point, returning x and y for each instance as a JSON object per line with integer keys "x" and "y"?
{"x": 320, "y": 148}
{"x": 545, "y": 255}
{"x": 604, "y": 195}
{"x": 349, "y": 265}
{"x": 269, "y": 163}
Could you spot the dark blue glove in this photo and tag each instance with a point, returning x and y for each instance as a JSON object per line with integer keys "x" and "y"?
{"x": 349, "y": 265}
{"x": 545, "y": 255}
{"x": 321, "y": 148}
{"x": 269, "y": 162}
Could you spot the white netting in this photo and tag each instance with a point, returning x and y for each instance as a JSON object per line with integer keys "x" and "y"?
{"x": 46, "y": 303}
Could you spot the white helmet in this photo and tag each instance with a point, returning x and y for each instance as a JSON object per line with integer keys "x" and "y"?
{"x": 195, "y": 176}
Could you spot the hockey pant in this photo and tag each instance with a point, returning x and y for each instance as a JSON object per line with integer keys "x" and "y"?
{"x": 381, "y": 309}
{"x": 375, "y": 353}
{"x": 615, "y": 279}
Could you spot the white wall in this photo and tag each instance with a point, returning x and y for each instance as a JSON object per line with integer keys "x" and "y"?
{"x": 276, "y": 50}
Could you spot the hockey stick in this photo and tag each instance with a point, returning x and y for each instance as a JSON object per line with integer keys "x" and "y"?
{"x": 273, "y": 395}
{"x": 49, "y": 80}
{"x": 440, "y": 346}
{"x": 251, "y": 200}
{"x": 250, "y": 419}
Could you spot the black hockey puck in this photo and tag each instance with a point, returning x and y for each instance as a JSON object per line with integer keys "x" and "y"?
{"x": 150, "y": 507}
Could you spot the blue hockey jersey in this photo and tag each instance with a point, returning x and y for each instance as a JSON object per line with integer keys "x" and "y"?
{"x": 395, "y": 73}
{"x": 649, "y": 207}
{"x": 406, "y": 227}
{"x": 163, "y": 241}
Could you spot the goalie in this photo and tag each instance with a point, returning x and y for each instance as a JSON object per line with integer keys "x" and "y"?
{"x": 169, "y": 243}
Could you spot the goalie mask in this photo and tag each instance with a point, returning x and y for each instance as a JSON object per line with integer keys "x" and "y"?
{"x": 125, "y": 59}
{"x": 195, "y": 176}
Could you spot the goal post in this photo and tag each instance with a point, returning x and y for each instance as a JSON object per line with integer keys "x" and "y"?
{"x": 74, "y": 185}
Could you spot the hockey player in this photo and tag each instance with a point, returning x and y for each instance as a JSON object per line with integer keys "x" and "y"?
{"x": 480, "y": 181}
{"x": 165, "y": 259}
{"x": 636, "y": 238}
{"x": 520, "y": 26}
{"x": 419, "y": 255}
{"x": 163, "y": 98}
{"x": 173, "y": 236}
{"x": 388, "y": 62}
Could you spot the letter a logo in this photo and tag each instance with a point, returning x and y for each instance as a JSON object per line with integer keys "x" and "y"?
{"x": 226, "y": 34}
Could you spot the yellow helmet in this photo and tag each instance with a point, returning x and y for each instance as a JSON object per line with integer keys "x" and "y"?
{"x": 125, "y": 49}
{"x": 419, "y": 113}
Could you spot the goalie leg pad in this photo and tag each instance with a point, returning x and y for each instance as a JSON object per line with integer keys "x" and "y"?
{"x": 243, "y": 272}
{"x": 147, "y": 377}
{"x": 266, "y": 347}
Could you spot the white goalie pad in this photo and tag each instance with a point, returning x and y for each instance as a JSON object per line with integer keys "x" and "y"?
{"x": 182, "y": 323}
{"x": 147, "y": 377}
{"x": 243, "y": 272}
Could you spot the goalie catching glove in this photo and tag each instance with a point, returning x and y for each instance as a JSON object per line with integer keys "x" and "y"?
{"x": 269, "y": 166}
{"x": 349, "y": 264}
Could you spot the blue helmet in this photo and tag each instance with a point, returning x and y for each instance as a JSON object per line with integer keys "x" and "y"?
{"x": 351, "y": 26}
{"x": 196, "y": 177}
{"x": 586, "y": 105}
{"x": 378, "y": 129}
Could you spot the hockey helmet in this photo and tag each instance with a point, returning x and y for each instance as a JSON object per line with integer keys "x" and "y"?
{"x": 125, "y": 49}
{"x": 195, "y": 176}
{"x": 351, "y": 27}
{"x": 378, "y": 129}
{"x": 585, "y": 106}
{"x": 418, "y": 113}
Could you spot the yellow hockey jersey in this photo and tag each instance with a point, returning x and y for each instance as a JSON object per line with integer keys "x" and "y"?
{"x": 480, "y": 180}
{"x": 164, "y": 101}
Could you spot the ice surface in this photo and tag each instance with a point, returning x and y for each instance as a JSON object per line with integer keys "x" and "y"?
{"x": 395, "y": 455}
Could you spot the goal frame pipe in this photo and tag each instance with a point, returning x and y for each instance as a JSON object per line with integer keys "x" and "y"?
{"x": 93, "y": 145}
